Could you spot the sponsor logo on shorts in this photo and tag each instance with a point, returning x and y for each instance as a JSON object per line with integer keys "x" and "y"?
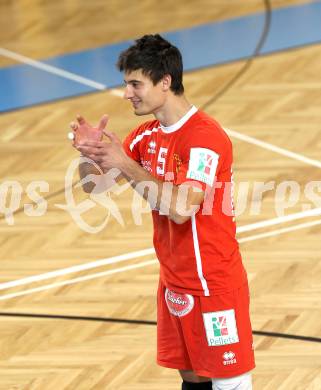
{"x": 179, "y": 304}
{"x": 229, "y": 358}
{"x": 220, "y": 327}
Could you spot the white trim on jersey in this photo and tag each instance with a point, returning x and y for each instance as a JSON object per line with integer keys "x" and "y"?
{"x": 139, "y": 137}
{"x": 180, "y": 123}
{"x": 198, "y": 257}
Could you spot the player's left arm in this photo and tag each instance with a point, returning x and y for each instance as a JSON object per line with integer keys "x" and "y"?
{"x": 179, "y": 202}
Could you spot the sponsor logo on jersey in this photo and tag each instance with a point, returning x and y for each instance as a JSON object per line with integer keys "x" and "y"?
{"x": 202, "y": 165}
{"x": 179, "y": 304}
{"x": 229, "y": 358}
{"x": 220, "y": 328}
{"x": 151, "y": 147}
{"x": 146, "y": 165}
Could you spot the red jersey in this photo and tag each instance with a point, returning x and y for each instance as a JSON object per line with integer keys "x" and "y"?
{"x": 200, "y": 256}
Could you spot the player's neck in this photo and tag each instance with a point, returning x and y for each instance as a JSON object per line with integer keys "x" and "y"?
{"x": 173, "y": 110}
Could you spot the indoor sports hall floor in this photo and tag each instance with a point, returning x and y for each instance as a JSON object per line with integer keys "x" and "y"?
{"x": 77, "y": 297}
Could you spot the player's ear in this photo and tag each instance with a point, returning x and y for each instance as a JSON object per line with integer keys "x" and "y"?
{"x": 166, "y": 82}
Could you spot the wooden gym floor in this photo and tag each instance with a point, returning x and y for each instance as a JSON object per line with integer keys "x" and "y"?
{"x": 277, "y": 100}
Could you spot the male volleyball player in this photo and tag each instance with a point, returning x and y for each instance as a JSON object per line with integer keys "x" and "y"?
{"x": 203, "y": 324}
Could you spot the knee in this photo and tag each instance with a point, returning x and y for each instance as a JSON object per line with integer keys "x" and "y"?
{"x": 190, "y": 376}
{"x": 191, "y": 381}
{"x": 197, "y": 385}
{"x": 242, "y": 382}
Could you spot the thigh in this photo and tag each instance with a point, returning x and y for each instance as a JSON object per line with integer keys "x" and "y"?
{"x": 171, "y": 349}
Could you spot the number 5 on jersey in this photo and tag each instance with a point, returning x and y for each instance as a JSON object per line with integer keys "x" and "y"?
{"x": 161, "y": 160}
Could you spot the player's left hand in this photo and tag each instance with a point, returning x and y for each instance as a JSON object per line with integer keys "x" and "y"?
{"x": 106, "y": 155}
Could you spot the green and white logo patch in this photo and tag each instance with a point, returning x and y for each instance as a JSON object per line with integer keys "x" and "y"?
{"x": 220, "y": 327}
{"x": 202, "y": 165}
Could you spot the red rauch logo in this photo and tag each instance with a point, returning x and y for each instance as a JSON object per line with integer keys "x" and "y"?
{"x": 179, "y": 304}
{"x": 177, "y": 300}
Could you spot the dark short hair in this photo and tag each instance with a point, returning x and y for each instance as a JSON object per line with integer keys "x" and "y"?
{"x": 156, "y": 57}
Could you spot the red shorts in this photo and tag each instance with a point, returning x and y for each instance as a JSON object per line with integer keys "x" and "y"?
{"x": 210, "y": 335}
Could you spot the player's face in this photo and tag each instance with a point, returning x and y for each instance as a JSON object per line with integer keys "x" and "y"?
{"x": 145, "y": 97}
